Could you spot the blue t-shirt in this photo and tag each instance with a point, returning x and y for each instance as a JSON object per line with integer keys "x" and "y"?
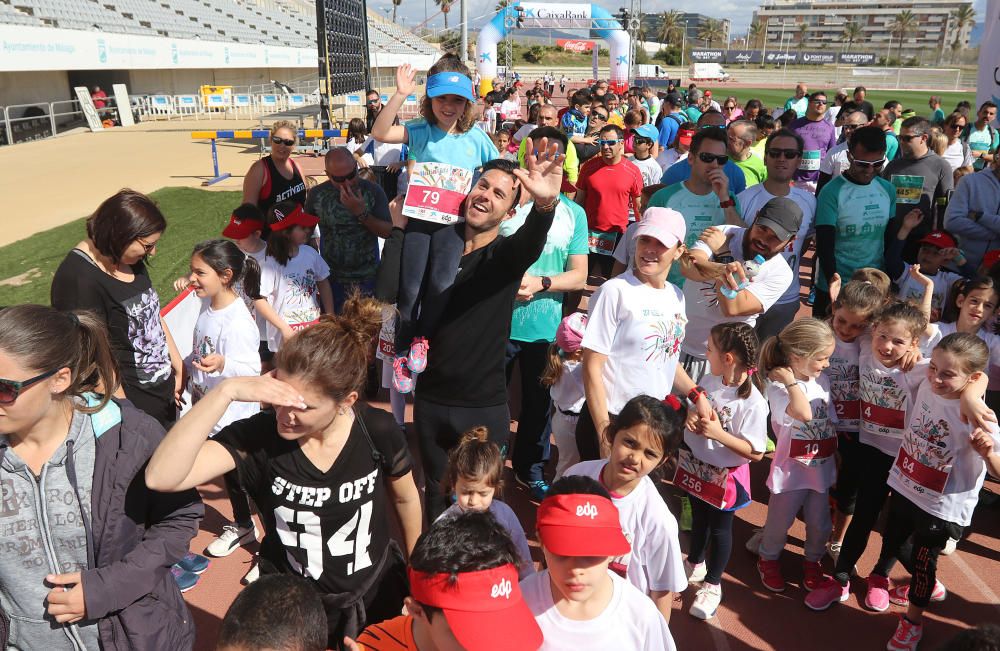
{"x": 669, "y": 127}
{"x": 429, "y": 144}
{"x": 681, "y": 171}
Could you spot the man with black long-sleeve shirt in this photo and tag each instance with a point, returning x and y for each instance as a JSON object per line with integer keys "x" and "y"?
{"x": 464, "y": 384}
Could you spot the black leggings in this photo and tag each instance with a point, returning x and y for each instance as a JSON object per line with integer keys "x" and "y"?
{"x": 528, "y": 450}
{"x": 588, "y": 440}
{"x": 709, "y": 523}
{"x": 872, "y": 491}
{"x": 238, "y": 498}
{"x": 916, "y": 539}
{"x": 845, "y": 492}
{"x": 439, "y": 428}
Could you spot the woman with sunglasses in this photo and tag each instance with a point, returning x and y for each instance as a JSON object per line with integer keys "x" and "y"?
{"x": 957, "y": 153}
{"x": 731, "y": 109}
{"x": 70, "y": 462}
{"x": 106, "y": 273}
{"x": 276, "y": 177}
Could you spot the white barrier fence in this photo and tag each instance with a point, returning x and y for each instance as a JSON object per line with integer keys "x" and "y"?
{"x": 221, "y": 105}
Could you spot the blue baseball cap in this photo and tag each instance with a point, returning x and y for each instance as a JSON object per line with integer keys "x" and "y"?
{"x": 450, "y": 83}
{"x": 647, "y": 131}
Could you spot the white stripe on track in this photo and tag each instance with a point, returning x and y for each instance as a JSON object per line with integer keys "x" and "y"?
{"x": 973, "y": 578}
{"x": 719, "y": 637}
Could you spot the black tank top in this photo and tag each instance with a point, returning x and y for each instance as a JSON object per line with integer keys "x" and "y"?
{"x": 277, "y": 188}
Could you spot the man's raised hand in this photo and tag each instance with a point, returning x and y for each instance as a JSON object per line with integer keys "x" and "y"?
{"x": 542, "y": 178}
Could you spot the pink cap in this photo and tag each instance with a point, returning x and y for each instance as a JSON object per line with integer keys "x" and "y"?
{"x": 569, "y": 334}
{"x": 665, "y": 224}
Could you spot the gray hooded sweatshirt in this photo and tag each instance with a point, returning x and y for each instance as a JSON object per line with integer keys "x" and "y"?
{"x": 43, "y": 532}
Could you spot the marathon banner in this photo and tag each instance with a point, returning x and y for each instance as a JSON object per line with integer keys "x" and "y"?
{"x": 781, "y": 57}
{"x": 988, "y": 88}
{"x": 575, "y": 46}
{"x": 818, "y": 57}
{"x": 708, "y": 56}
{"x": 857, "y": 58}
{"x": 744, "y": 56}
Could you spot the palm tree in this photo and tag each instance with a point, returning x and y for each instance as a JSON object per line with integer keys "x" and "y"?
{"x": 711, "y": 31}
{"x": 445, "y": 6}
{"x": 853, "y": 32}
{"x": 501, "y": 5}
{"x": 758, "y": 31}
{"x": 671, "y": 27}
{"x": 395, "y": 4}
{"x": 803, "y": 30}
{"x": 904, "y": 23}
{"x": 964, "y": 16}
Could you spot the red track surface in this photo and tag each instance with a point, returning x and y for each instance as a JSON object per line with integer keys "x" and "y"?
{"x": 750, "y": 616}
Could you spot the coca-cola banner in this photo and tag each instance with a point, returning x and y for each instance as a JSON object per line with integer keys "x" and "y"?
{"x": 857, "y": 58}
{"x": 817, "y": 57}
{"x": 781, "y": 57}
{"x": 708, "y": 56}
{"x": 575, "y": 46}
{"x": 744, "y": 56}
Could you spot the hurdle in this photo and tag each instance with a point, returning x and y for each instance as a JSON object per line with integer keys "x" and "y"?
{"x": 250, "y": 134}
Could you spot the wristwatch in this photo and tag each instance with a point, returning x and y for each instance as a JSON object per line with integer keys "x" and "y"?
{"x": 695, "y": 392}
{"x": 546, "y": 283}
{"x": 728, "y": 203}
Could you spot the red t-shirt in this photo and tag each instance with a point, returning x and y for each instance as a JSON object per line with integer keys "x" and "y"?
{"x": 610, "y": 191}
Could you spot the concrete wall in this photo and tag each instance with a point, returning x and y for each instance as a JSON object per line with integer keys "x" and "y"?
{"x": 178, "y": 82}
{"x": 31, "y": 87}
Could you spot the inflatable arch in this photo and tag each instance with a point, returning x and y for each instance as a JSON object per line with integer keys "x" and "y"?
{"x": 543, "y": 15}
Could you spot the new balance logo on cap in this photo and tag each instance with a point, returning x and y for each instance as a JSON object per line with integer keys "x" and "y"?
{"x": 502, "y": 589}
{"x": 279, "y": 215}
{"x": 587, "y": 510}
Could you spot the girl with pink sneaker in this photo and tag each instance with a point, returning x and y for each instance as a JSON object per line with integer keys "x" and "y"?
{"x": 803, "y": 469}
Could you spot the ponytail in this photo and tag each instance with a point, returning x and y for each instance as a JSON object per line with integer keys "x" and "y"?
{"x": 804, "y": 338}
{"x": 740, "y": 341}
{"x": 553, "y": 367}
{"x": 475, "y": 458}
{"x": 43, "y": 339}
{"x": 221, "y": 255}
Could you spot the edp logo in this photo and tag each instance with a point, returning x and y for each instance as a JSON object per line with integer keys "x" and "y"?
{"x": 587, "y": 510}
{"x": 502, "y": 589}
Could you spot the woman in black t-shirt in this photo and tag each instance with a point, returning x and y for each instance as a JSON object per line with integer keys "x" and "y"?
{"x": 323, "y": 470}
{"x": 106, "y": 273}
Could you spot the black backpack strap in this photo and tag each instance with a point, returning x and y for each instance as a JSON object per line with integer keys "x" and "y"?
{"x": 380, "y": 459}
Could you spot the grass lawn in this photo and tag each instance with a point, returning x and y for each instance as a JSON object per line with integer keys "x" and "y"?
{"x": 27, "y": 267}
{"x": 776, "y": 97}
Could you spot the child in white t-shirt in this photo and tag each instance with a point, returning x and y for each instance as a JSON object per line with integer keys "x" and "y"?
{"x": 936, "y": 478}
{"x": 641, "y": 438}
{"x": 715, "y": 465}
{"x": 474, "y": 475}
{"x": 804, "y": 467}
{"x": 564, "y": 377}
{"x": 851, "y": 312}
{"x": 292, "y": 276}
{"x": 579, "y": 529}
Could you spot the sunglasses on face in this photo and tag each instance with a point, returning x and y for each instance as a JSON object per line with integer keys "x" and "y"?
{"x": 346, "y": 177}
{"x": 288, "y": 142}
{"x": 874, "y": 164}
{"x": 642, "y": 141}
{"x": 909, "y": 138}
{"x": 789, "y": 154}
{"x": 598, "y": 116}
{"x": 819, "y": 101}
{"x": 851, "y": 127}
{"x": 11, "y": 389}
{"x": 373, "y": 101}
{"x": 955, "y": 127}
{"x": 706, "y": 157}
{"x": 607, "y": 143}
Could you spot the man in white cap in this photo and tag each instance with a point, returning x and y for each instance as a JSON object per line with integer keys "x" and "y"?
{"x": 716, "y": 266}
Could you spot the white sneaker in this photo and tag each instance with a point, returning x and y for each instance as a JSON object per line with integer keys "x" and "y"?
{"x": 707, "y": 601}
{"x": 753, "y": 544}
{"x": 253, "y": 574}
{"x": 695, "y": 573}
{"x": 949, "y": 547}
{"x": 231, "y": 538}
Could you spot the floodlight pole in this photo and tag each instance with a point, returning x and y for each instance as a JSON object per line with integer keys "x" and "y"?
{"x": 464, "y": 15}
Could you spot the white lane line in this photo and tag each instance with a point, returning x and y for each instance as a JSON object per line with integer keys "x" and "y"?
{"x": 991, "y": 597}
{"x": 719, "y": 637}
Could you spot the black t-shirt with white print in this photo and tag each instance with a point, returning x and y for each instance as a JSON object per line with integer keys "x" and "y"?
{"x": 333, "y": 526}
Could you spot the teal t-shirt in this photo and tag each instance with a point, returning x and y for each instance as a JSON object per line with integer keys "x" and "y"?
{"x": 699, "y": 210}
{"x": 798, "y": 105}
{"x": 429, "y": 144}
{"x": 937, "y": 117}
{"x": 860, "y": 214}
{"x": 891, "y": 146}
{"x": 753, "y": 168}
{"x": 693, "y": 114}
{"x": 985, "y": 140}
{"x": 538, "y": 319}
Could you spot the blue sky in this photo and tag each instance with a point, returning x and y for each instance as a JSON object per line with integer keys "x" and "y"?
{"x": 481, "y": 10}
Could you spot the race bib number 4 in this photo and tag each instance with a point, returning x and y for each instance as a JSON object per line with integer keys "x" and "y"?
{"x": 703, "y": 480}
{"x": 885, "y": 420}
{"x": 436, "y": 192}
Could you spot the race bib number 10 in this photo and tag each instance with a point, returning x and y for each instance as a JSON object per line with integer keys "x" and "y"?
{"x": 436, "y": 192}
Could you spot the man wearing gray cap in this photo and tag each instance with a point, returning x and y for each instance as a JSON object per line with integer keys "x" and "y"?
{"x": 718, "y": 289}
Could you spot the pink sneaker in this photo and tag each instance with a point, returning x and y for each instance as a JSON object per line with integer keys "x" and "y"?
{"x": 900, "y": 595}
{"x": 827, "y": 593}
{"x": 907, "y": 636}
{"x": 770, "y": 575}
{"x": 813, "y": 575}
{"x": 877, "y": 596}
{"x": 417, "y": 360}
{"x": 402, "y": 379}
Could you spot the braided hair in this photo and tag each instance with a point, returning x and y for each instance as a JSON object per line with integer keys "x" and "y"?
{"x": 740, "y": 341}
